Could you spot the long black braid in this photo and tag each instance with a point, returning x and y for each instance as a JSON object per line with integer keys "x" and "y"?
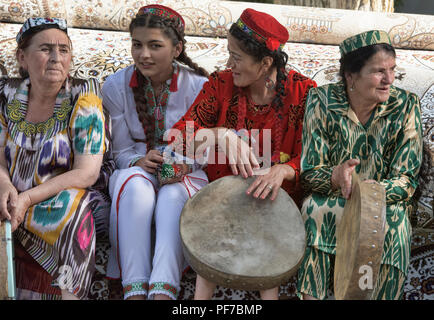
{"x": 169, "y": 29}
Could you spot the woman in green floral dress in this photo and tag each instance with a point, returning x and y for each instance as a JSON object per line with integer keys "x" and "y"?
{"x": 361, "y": 123}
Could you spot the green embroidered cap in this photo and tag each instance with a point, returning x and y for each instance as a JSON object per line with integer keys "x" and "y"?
{"x": 364, "y": 39}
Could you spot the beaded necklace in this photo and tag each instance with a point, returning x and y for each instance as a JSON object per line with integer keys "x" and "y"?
{"x": 157, "y": 105}
{"x": 157, "y": 109}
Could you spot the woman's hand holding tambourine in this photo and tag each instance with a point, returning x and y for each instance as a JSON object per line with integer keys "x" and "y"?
{"x": 341, "y": 177}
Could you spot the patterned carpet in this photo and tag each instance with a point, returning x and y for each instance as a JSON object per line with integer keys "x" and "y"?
{"x": 419, "y": 284}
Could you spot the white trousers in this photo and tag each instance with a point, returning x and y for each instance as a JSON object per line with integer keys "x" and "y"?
{"x": 136, "y": 204}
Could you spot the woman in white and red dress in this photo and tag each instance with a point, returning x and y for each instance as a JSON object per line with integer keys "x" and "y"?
{"x": 144, "y": 100}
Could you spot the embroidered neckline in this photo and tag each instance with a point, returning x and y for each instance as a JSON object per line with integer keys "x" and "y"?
{"x": 17, "y": 110}
{"x": 157, "y": 105}
{"x": 257, "y": 108}
{"x": 157, "y": 108}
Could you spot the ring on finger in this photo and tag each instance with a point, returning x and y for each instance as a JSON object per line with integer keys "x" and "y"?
{"x": 270, "y": 186}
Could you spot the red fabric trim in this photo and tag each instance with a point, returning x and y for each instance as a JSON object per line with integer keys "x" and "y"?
{"x": 185, "y": 271}
{"x": 189, "y": 178}
{"x": 174, "y": 82}
{"x": 117, "y": 214}
{"x": 296, "y": 168}
{"x": 133, "y": 81}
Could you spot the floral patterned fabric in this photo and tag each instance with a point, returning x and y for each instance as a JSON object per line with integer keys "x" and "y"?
{"x": 59, "y": 231}
{"x": 222, "y": 104}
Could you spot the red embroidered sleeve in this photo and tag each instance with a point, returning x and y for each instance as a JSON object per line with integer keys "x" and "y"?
{"x": 298, "y": 87}
{"x": 203, "y": 113}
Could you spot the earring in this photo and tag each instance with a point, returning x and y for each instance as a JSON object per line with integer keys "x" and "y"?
{"x": 352, "y": 87}
{"x": 269, "y": 84}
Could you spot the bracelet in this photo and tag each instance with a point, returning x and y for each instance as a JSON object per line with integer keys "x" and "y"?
{"x": 134, "y": 160}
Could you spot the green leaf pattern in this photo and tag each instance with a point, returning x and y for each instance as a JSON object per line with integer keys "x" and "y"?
{"x": 389, "y": 150}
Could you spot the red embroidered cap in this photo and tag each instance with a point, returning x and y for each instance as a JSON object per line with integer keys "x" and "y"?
{"x": 264, "y": 28}
{"x": 163, "y": 12}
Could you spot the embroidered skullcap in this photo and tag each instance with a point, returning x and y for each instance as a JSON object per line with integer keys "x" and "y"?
{"x": 364, "y": 39}
{"x": 164, "y": 12}
{"x": 263, "y": 28}
{"x": 35, "y": 22}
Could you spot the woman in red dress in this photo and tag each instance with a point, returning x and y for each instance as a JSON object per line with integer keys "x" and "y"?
{"x": 256, "y": 100}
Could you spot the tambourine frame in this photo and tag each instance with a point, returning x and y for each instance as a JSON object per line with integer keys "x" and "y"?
{"x": 359, "y": 241}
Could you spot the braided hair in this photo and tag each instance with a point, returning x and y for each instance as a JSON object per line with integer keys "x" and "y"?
{"x": 167, "y": 26}
{"x": 259, "y": 51}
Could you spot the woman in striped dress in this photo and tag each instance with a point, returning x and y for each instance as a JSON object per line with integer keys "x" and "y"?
{"x": 52, "y": 146}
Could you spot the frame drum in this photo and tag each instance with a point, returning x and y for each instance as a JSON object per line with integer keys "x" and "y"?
{"x": 359, "y": 241}
{"x": 7, "y": 268}
{"x": 237, "y": 241}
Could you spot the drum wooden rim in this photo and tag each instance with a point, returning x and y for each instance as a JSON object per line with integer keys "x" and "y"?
{"x": 359, "y": 242}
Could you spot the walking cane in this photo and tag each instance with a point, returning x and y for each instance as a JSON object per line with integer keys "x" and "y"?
{"x": 7, "y": 266}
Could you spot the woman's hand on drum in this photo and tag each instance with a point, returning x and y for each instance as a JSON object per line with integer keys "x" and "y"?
{"x": 19, "y": 211}
{"x": 271, "y": 182}
{"x": 341, "y": 177}
{"x": 8, "y": 200}
{"x": 151, "y": 161}
{"x": 241, "y": 157}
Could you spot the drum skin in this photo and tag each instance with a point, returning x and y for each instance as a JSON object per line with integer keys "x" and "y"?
{"x": 237, "y": 241}
{"x": 359, "y": 241}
